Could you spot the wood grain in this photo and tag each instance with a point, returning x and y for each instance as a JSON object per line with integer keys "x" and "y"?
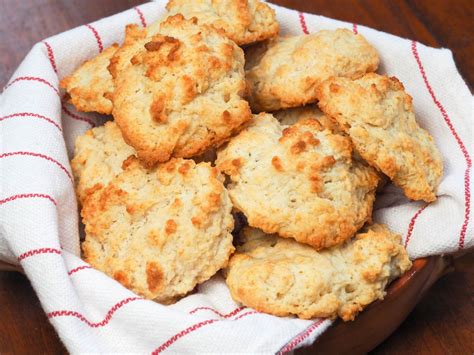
{"x": 443, "y": 322}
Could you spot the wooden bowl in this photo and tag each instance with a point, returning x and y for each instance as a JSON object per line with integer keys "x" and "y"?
{"x": 4, "y": 266}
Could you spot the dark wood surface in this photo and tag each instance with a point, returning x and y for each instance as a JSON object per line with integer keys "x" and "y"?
{"x": 442, "y": 323}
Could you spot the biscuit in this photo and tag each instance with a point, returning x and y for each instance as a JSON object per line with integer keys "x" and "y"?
{"x": 289, "y": 71}
{"x": 183, "y": 92}
{"x": 90, "y": 86}
{"x": 160, "y": 232}
{"x": 298, "y": 181}
{"x": 378, "y": 115}
{"x": 282, "y": 277}
{"x": 98, "y": 158}
{"x": 290, "y": 116}
{"x": 243, "y": 21}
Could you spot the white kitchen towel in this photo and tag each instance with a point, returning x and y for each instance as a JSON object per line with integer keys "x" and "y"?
{"x": 39, "y": 226}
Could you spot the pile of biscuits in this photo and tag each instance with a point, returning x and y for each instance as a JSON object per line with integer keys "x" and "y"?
{"x": 218, "y": 157}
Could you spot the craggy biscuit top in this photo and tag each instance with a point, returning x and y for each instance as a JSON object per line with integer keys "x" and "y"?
{"x": 135, "y": 38}
{"x": 160, "y": 232}
{"x": 98, "y": 157}
{"x": 243, "y": 21}
{"x": 90, "y": 86}
{"x": 298, "y": 181}
{"x": 182, "y": 93}
{"x": 378, "y": 115}
{"x": 282, "y": 277}
{"x": 289, "y": 71}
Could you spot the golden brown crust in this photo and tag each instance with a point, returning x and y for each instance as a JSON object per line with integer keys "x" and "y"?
{"x": 243, "y": 21}
{"x": 90, "y": 87}
{"x": 287, "y": 71}
{"x": 182, "y": 93}
{"x": 377, "y": 113}
{"x": 135, "y": 38}
{"x": 139, "y": 230}
{"x": 282, "y": 277}
{"x": 99, "y": 155}
{"x": 298, "y": 181}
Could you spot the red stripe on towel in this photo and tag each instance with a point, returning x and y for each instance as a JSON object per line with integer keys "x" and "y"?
{"x": 51, "y": 56}
{"x": 412, "y": 224}
{"x": 191, "y": 329}
{"x": 299, "y": 338}
{"x": 30, "y": 114}
{"x": 81, "y": 317}
{"x": 228, "y": 315}
{"x": 97, "y": 37}
{"x": 31, "y": 78}
{"x": 304, "y": 28}
{"x": 77, "y": 117}
{"x": 141, "y": 16}
{"x": 79, "y": 268}
{"x": 38, "y": 252}
{"x": 25, "y": 196}
{"x": 42, "y": 156}
{"x": 354, "y": 28}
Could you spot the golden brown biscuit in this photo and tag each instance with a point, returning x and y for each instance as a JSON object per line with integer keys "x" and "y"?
{"x": 183, "y": 92}
{"x": 98, "y": 157}
{"x": 160, "y": 232}
{"x": 378, "y": 115}
{"x": 282, "y": 277}
{"x": 90, "y": 87}
{"x": 298, "y": 181}
{"x": 243, "y": 21}
{"x": 289, "y": 71}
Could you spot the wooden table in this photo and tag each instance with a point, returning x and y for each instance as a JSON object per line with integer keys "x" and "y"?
{"x": 443, "y": 322}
